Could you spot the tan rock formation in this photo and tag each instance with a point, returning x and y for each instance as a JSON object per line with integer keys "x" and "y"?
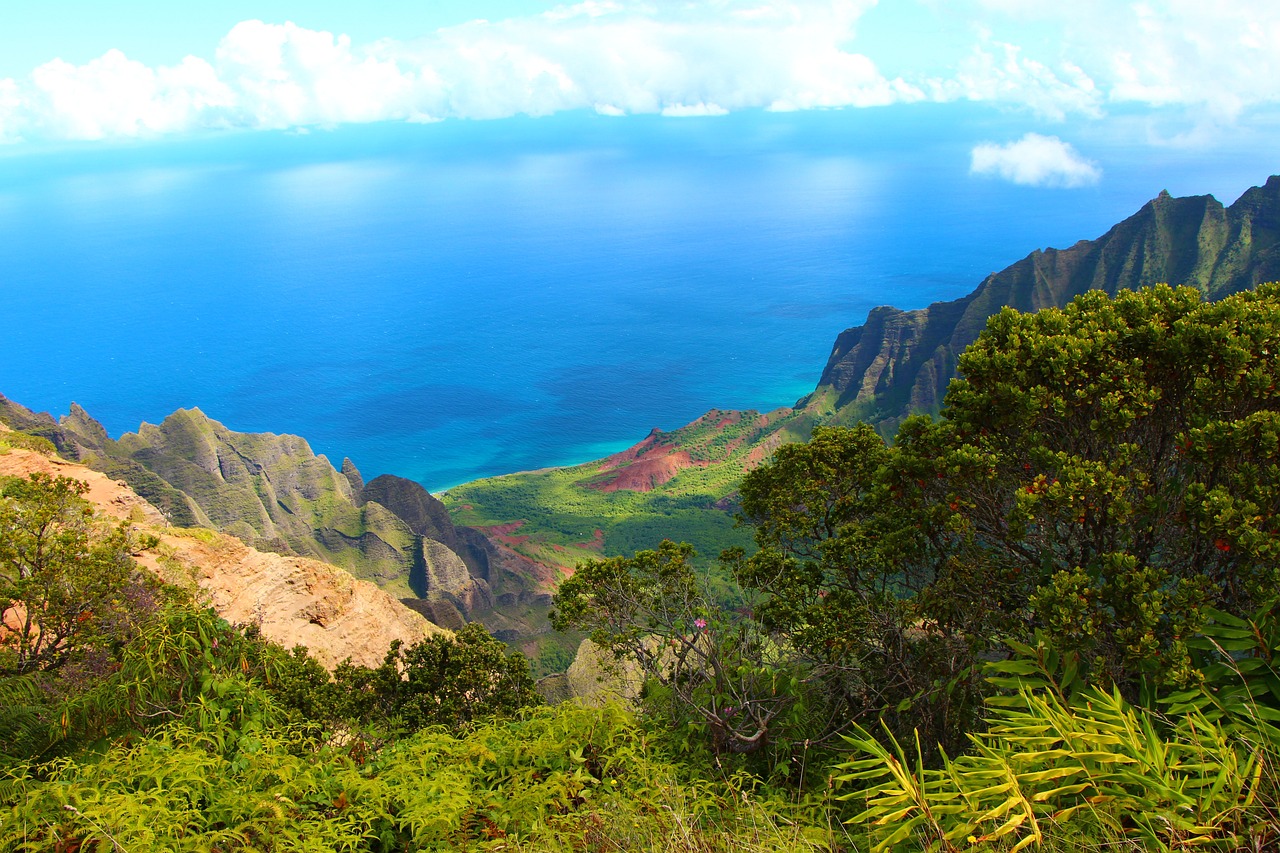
{"x": 295, "y": 600}
{"x": 595, "y": 678}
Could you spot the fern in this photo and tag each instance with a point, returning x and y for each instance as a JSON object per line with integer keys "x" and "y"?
{"x": 1091, "y": 759}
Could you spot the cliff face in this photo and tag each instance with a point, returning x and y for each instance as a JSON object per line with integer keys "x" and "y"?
{"x": 271, "y": 491}
{"x": 275, "y": 494}
{"x": 900, "y": 362}
{"x": 295, "y": 601}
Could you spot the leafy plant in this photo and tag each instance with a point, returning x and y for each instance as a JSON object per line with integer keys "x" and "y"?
{"x": 63, "y": 580}
{"x": 1059, "y": 754}
{"x": 717, "y": 680}
{"x": 562, "y": 779}
{"x": 1102, "y": 473}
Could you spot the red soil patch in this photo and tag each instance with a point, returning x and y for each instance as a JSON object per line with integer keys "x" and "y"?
{"x": 645, "y": 475}
{"x": 595, "y": 544}
{"x": 503, "y": 529}
{"x": 502, "y": 533}
{"x": 644, "y": 466}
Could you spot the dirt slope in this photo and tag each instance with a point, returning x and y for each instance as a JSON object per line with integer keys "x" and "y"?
{"x": 295, "y": 600}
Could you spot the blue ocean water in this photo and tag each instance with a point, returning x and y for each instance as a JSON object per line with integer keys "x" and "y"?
{"x": 458, "y": 300}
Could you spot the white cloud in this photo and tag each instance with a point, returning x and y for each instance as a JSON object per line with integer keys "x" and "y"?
{"x": 613, "y": 57}
{"x": 687, "y": 110}
{"x": 115, "y": 96}
{"x": 1214, "y": 60}
{"x": 1003, "y": 73}
{"x": 1035, "y": 160}
{"x": 623, "y": 57}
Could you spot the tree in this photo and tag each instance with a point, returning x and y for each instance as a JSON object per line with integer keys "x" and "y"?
{"x": 1122, "y": 456}
{"x": 67, "y": 586}
{"x": 711, "y": 674}
{"x": 1102, "y": 472}
{"x": 446, "y": 680}
{"x": 455, "y": 680}
{"x": 849, "y": 585}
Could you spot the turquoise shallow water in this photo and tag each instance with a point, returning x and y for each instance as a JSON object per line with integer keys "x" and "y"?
{"x": 464, "y": 299}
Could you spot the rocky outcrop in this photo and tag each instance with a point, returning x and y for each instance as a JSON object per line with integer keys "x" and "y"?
{"x": 352, "y": 473}
{"x": 900, "y": 362}
{"x": 276, "y": 495}
{"x": 595, "y": 678}
{"x": 294, "y": 600}
{"x": 424, "y": 514}
{"x": 271, "y": 491}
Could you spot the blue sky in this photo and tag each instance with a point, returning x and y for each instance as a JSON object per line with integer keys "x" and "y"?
{"x": 1158, "y": 72}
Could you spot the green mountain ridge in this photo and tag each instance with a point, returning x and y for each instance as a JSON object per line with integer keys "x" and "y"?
{"x": 275, "y": 494}
{"x": 900, "y": 362}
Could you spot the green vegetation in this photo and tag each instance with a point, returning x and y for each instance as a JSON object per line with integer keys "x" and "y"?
{"x": 62, "y": 584}
{"x": 553, "y": 780}
{"x": 1048, "y": 619}
{"x": 172, "y": 730}
{"x": 1105, "y": 480}
{"x": 10, "y": 439}
{"x": 562, "y": 508}
{"x": 1060, "y": 759}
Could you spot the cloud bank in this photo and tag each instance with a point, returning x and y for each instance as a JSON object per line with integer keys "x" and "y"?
{"x": 621, "y": 57}
{"x": 699, "y": 59}
{"x": 1035, "y": 160}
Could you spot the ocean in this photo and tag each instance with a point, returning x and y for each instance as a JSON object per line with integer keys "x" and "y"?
{"x": 464, "y": 299}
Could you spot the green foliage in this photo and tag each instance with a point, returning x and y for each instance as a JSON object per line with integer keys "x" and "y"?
{"x": 442, "y": 680}
{"x": 887, "y": 625}
{"x": 552, "y": 656}
{"x": 458, "y": 679}
{"x": 10, "y": 439}
{"x": 63, "y": 583}
{"x": 1102, "y": 473}
{"x": 713, "y": 678}
{"x": 1236, "y": 659}
{"x": 1118, "y": 457}
{"x": 566, "y": 779}
{"x": 1100, "y": 761}
{"x": 176, "y": 661}
{"x": 1060, "y": 756}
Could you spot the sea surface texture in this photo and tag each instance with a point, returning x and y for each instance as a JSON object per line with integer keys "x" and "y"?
{"x": 458, "y": 300}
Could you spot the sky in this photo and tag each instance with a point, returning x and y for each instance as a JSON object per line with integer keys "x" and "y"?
{"x": 1172, "y": 73}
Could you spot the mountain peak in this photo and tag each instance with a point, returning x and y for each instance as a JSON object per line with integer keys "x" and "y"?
{"x": 900, "y": 362}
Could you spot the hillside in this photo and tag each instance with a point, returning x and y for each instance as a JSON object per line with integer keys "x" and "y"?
{"x": 295, "y": 600}
{"x": 276, "y": 495}
{"x": 676, "y": 485}
{"x": 681, "y": 484}
{"x": 900, "y": 362}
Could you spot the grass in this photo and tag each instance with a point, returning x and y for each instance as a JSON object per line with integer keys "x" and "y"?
{"x": 11, "y": 440}
{"x": 560, "y": 510}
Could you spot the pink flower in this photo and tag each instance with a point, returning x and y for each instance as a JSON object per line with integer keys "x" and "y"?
{"x": 699, "y": 623}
